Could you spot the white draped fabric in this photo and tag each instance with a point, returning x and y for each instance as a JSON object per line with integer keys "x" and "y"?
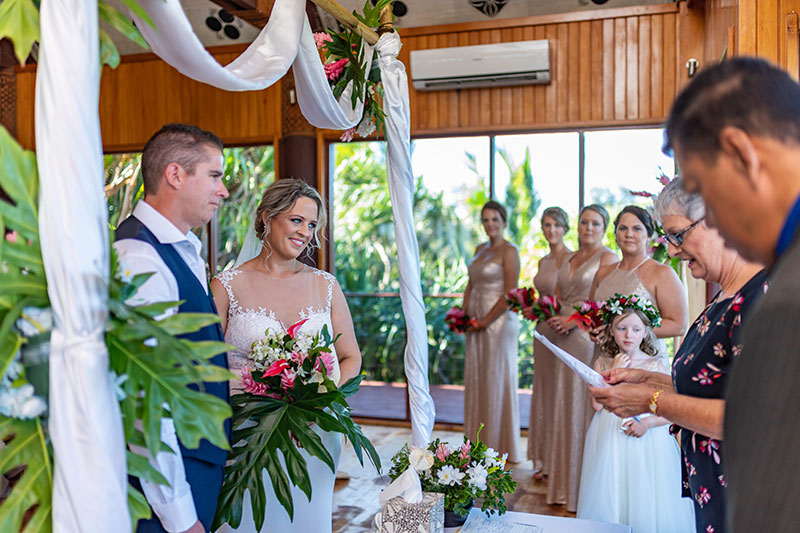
{"x": 401, "y": 190}
{"x": 285, "y": 41}
{"x": 90, "y": 480}
{"x": 90, "y": 483}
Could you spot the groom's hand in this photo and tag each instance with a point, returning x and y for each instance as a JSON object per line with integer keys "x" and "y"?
{"x": 197, "y": 527}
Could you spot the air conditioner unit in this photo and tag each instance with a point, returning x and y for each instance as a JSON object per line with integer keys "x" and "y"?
{"x": 484, "y": 65}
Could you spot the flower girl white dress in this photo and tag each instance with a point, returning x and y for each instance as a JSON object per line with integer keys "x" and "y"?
{"x": 630, "y": 480}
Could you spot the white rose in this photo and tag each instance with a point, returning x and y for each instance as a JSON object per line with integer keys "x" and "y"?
{"x": 420, "y": 459}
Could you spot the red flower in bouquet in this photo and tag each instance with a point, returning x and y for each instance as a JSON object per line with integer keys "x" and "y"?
{"x": 457, "y": 320}
{"x": 588, "y": 315}
{"x": 520, "y": 298}
{"x": 546, "y": 307}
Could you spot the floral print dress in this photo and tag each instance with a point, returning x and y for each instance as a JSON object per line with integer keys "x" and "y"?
{"x": 701, "y": 369}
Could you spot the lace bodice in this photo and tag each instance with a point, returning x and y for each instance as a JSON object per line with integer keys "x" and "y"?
{"x": 263, "y": 304}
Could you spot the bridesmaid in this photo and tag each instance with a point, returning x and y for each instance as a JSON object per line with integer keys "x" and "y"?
{"x": 638, "y": 274}
{"x": 571, "y": 410}
{"x": 555, "y": 223}
{"x": 490, "y": 362}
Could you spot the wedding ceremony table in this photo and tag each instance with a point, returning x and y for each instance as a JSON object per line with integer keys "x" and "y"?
{"x": 554, "y": 524}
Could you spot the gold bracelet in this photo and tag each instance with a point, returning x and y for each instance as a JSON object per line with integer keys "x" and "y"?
{"x": 654, "y": 402}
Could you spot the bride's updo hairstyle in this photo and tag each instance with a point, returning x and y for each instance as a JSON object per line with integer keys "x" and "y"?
{"x": 280, "y": 197}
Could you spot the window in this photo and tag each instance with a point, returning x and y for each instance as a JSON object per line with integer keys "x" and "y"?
{"x": 454, "y": 177}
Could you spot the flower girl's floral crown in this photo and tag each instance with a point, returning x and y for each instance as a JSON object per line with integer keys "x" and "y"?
{"x": 614, "y": 306}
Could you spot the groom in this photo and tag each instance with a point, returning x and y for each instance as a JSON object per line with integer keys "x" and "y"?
{"x": 182, "y": 173}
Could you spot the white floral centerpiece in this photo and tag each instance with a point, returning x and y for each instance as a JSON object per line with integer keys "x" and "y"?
{"x": 464, "y": 473}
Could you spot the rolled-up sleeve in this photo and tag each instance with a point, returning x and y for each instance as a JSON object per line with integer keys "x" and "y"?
{"x": 173, "y": 504}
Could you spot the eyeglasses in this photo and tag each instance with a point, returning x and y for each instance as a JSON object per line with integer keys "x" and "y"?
{"x": 676, "y": 239}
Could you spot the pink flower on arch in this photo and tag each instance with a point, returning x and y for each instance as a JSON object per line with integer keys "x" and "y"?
{"x": 11, "y": 236}
{"x": 334, "y": 70}
{"x": 347, "y": 135}
{"x": 322, "y": 37}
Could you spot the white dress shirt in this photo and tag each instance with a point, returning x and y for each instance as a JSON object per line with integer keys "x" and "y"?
{"x": 172, "y": 504}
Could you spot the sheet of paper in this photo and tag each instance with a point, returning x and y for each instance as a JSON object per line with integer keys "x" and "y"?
{"x": 585, "y": 372}
{"x": 480, "y": 523}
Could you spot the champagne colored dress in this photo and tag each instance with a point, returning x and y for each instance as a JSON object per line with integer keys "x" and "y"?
{"x": 625, "y": 282}
{"x": 540, "y": 427}
{"x": 572, "y": 412}
{"x": 490, "y": 365}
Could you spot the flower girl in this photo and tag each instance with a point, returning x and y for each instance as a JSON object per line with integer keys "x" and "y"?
{"x": 631, "y": 467}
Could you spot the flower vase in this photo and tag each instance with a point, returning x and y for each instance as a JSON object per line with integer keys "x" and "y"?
{"x": 453, "y": 519}
{"x": 35, "y": 359}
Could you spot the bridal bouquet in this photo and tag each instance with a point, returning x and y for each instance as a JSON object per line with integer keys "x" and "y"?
{"x": 588, "y": 315}
{"x": 457, "y": 320}
{"x": 287, "y": 390}
{"x": 462, "y": 473}
{"x": 519, "y": 298}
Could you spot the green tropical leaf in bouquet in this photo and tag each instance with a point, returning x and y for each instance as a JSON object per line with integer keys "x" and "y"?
{"x": 26, "y": 444}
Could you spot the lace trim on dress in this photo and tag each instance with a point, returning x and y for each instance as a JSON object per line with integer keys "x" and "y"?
{"x": 235, "y": 309}
{"x": 225, "y": 278}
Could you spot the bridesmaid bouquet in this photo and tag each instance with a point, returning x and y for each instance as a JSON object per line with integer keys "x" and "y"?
{"x": 519, "y": 298}
{"x": 462, "y": 473}
{"x": 589, "y": 315}
{"x": 523, "y": 301}
{"x": 543, "y": 308}
{"x": 286, "y": 392}
{"x": 457, "y": 320}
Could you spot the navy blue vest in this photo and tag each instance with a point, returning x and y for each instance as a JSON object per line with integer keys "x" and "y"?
{"x": 195, "y": 300}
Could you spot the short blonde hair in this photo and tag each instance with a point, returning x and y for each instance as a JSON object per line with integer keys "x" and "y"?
{"x": 279, "y": 198}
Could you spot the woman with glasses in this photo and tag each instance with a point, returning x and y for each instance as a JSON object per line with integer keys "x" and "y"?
{"x": 638, "y": 274}
{"x": 571, "y": 411}
{"x": 693, "y": 398}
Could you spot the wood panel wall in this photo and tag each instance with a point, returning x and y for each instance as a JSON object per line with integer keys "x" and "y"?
{"x": 768, "y": 29}
{"x": 143, "y": 93}
{"x": 720, "y": 29}
{"x": 608, "y": 67}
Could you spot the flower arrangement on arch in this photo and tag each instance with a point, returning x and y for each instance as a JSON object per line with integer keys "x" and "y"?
{"x": 462, "y": 473}
{"x": 457, "y": 320}
{"x": 343, "y": 57}
{"x": 288, "y": 384}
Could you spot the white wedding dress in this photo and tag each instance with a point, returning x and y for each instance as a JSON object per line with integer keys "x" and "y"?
{"x": 260, "y": 303}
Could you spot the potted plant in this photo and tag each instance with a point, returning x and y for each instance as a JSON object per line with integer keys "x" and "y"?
{"x": 465, "y": 473}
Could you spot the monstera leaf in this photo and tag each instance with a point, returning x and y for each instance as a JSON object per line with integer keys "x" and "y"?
{"x": 32, "y": 492}
{"x": 264, "y": 430}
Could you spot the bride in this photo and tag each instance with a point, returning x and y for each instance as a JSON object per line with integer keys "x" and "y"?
{"x": 270, "y": 289}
